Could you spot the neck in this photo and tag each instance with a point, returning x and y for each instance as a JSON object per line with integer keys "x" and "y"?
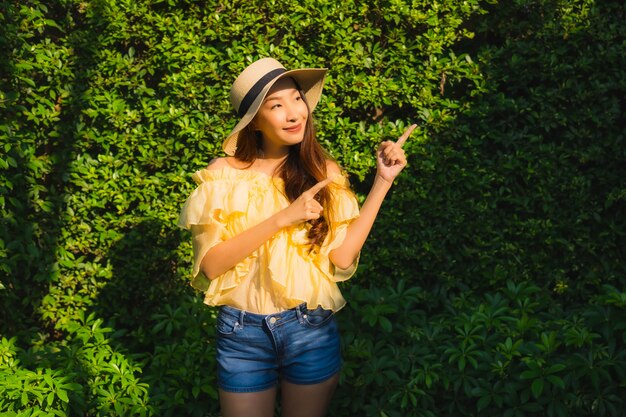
{"x": 269, "y": 162}
{"x": 273, "y": 153}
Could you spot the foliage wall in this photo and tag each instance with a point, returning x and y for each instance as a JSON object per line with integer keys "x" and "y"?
{"x": 492, "y": 284}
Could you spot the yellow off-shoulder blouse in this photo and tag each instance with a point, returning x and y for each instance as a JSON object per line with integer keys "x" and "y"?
{"x": 282, "y": 273}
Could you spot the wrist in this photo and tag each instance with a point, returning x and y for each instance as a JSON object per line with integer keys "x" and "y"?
{"x": 382, "y": 181}
{"x": 278, "y": 221}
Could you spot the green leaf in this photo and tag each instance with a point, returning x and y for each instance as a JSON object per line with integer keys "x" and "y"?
{"x": 537, "y": 387}
{"x": 555, "y": 368}
{"x": 556, "y": 381}
{"x": 461, "y": 363}
{"x": 63, "y": 395}
{"x": 48, "y": 380}
{"x": 483, "y": 402}
{"x": 385, "y": 323}
{"x": 530, "y": 374}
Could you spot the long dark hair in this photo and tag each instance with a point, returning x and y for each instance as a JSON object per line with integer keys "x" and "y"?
{"x": 304, "y": 167}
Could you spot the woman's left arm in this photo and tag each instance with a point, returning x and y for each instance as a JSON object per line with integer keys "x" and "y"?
{"x": 390, "y": 160}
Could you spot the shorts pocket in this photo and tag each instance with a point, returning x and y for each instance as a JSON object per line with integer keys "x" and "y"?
{"x": 227, "y": 324}
{"x": 317, "y": 317}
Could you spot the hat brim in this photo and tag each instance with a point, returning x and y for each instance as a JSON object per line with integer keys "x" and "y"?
{"x": 310, "y": 80}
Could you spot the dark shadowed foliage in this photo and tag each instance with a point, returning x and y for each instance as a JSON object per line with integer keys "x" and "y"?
{"x": 492, "y": 283}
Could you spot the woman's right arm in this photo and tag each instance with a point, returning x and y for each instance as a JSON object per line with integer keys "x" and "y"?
{"x": 227, "y": 254}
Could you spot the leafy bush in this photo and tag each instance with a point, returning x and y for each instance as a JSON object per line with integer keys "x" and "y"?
{"x": 506, "y": 353}
{"x": 494, "y": 273}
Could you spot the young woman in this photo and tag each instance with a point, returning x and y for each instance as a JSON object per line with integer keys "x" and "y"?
{"x": 275, "y": 226}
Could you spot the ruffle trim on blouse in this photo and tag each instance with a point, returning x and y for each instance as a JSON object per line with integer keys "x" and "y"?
{"x": 217, "y": 196}
{"x": 319, "y": 287}
{"x": 301, "y": 279}
{"x": 220, "y": 199}
{"x": 224, "y": 194}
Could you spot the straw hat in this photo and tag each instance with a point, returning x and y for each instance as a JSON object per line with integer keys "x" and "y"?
{"x": 251, "y": 87}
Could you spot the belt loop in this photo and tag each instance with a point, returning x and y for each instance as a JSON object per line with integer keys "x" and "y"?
{"x": 242, "y": 315}
{"x": 300, "y": 312}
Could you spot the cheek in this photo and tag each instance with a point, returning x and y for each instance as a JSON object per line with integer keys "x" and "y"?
{"x": 304, "y": 110}
{"x": 274, "y": 120}
{"x": 263, "y": 122}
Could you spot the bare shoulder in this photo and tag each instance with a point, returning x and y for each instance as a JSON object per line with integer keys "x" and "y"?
{"x": 332, "y": 168}
{"x": 217, "y": 163}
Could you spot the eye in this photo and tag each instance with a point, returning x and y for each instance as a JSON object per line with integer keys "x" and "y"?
{"x": 275, "y": 106}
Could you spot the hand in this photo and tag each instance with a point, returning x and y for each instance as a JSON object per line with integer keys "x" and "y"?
{"x": 390, "y": 158}
{"x": 305, "y": 207}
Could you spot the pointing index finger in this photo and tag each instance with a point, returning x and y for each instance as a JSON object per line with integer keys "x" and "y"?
{"x": 406, "y": 134}
{"x": 323, "y": 183}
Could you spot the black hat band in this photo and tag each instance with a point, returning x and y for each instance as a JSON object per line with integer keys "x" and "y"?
{"x": 256, "y": 90}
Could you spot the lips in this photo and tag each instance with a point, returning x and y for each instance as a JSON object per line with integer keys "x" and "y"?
{"x": 293, "y": 129}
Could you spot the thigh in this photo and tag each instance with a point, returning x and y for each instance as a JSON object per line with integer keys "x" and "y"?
{"x": 312, "y": 350}
{"x": 249, "y": 404}
{"x": 307, "y": 400}
{"x": 246, "y": 358}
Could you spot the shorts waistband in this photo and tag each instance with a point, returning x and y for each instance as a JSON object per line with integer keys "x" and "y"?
{"x": 255, "y": 319}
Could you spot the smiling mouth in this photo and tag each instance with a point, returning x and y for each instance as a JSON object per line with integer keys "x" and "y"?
{"x": 293, "y": 129}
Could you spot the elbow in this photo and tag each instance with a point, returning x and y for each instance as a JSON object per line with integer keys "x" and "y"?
{"x": 208, "y": 273}
{"x": 209, "y": 269}
{"x": 342, "y": 262}
{"x": 343, "y": 265}
{"x": 215, "y": 263}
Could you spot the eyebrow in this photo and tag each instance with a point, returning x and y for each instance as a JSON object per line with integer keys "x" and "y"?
{"x": 280, "y": 96}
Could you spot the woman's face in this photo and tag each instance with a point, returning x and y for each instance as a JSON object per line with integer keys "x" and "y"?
{"x": 282, "y": 116}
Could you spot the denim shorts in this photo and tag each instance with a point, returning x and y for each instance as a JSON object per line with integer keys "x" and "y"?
{"x": 299, "y": 345}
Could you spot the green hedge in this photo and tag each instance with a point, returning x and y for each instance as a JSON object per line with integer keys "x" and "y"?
{"x": 492, "y": 284}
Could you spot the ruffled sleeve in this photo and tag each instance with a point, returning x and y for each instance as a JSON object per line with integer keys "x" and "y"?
{"x": 207, "y": 212}
{"x": 283, "y": 272}
{"x": 345, "y": 209}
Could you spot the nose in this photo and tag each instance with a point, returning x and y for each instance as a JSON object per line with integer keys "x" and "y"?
{"x": 294, "y": 111}
{"x": 291, "y": 114}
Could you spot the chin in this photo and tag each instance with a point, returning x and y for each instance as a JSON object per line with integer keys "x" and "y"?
{"x": 293, "y": 141}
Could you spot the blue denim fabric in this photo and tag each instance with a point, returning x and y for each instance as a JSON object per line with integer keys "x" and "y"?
{"x": 253, "y": 350}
